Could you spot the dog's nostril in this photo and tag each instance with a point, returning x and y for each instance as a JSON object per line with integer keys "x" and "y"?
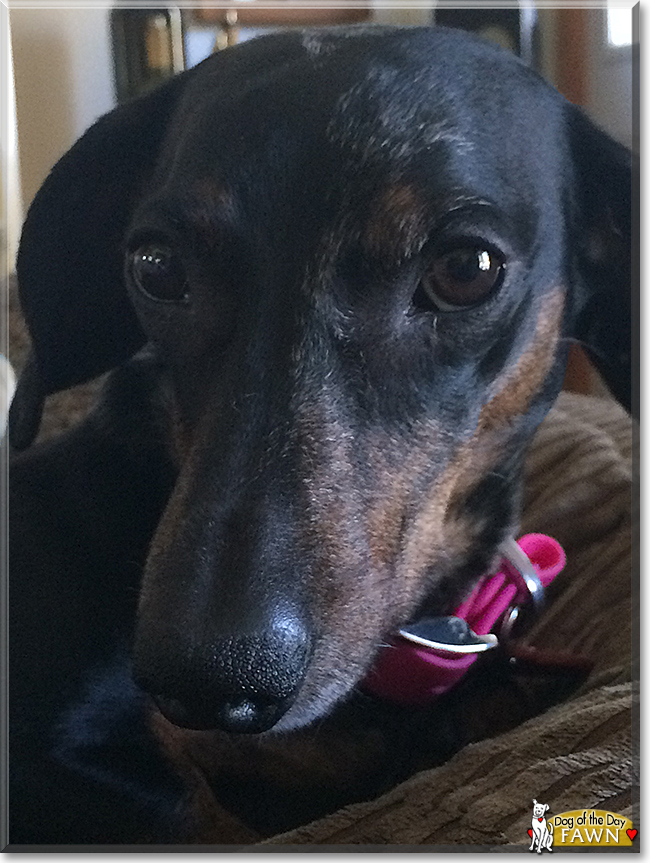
{"x": 242, "y": 716}
{"x": 248, "y": 716}
{"x": 240, "y": 712}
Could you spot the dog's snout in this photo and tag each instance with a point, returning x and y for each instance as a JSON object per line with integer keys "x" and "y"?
{"x": 240, "y": 684}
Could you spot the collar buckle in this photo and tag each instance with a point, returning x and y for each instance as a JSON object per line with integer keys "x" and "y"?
{"x": 530, "y": 594}
{"x": 454, "y": 635}
{"x": 432, "y": 655}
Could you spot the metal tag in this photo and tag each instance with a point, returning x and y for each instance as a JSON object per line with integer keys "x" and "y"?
{"x": 452, "y": 634}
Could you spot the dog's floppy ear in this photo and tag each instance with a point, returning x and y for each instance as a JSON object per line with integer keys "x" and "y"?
{"x": 69, "y": 264}
{"x": 603, "y": 225}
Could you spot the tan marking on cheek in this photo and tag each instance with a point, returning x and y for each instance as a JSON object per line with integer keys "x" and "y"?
{"x": 330, "y": 499}
{"x": 517, "y": 387}
{"x": 384, "y": 526}
{"x": 442, "y": 532}
{"x": 429, "y": 541}
{"x": 394, "y": 470}
{"x": 403, "y": 526}
{"x": 397, "y": 226}
{"x": 358, "y": 488}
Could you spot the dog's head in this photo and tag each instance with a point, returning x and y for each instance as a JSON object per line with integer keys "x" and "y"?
{"x": 360, "y": 256}
{"x": 539, "y": 809}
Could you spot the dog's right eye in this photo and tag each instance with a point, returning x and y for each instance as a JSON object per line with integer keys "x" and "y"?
{"x": 158, "y": 273}
{"x": 461, "y": 277}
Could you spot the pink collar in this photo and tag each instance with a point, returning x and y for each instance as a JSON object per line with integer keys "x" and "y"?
{"x": 430, "y": 656}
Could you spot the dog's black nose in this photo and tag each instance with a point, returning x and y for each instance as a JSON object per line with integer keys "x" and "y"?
{"x": 242, "y": 684}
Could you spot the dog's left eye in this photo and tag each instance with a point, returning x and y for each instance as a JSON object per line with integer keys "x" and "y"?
{"x": 462, "y": 277}
{"x": 159, "y": 274}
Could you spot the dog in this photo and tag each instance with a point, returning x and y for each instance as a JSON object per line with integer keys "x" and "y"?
{"x": 542, "y": 832}
{"x": 334, "y": 276}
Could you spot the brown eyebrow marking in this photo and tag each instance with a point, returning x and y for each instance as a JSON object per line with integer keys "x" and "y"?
{"x": 397, "y": 226}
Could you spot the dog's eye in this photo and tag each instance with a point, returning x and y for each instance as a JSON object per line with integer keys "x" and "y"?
{"x": 159, "y": 274}
{"x": 462, "y": 277}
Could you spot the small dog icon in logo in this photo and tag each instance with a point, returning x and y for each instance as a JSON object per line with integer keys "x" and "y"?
{"x": 542, "y": 833}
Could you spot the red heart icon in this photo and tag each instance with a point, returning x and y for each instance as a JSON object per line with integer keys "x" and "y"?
{"x": 631, "y": 833}
{"x": 530, "y": 832}
{"x": 540, "y": 819}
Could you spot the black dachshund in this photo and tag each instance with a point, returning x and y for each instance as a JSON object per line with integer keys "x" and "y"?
{"x": 335, "y": 274}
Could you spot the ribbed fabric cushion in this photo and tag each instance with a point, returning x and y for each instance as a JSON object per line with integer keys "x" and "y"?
{"x": 577, "y": 755}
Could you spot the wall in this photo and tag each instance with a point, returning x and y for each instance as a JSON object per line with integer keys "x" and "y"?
{"x": 63, "y": 79}
{"x": 10, "y": 199}
{"x": 609, "y": 92}
{"x": 382, "y": 14}
{"x": 604, "y": 87}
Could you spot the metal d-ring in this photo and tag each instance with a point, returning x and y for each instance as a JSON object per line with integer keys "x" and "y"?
{"x": 530, "y": 589}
